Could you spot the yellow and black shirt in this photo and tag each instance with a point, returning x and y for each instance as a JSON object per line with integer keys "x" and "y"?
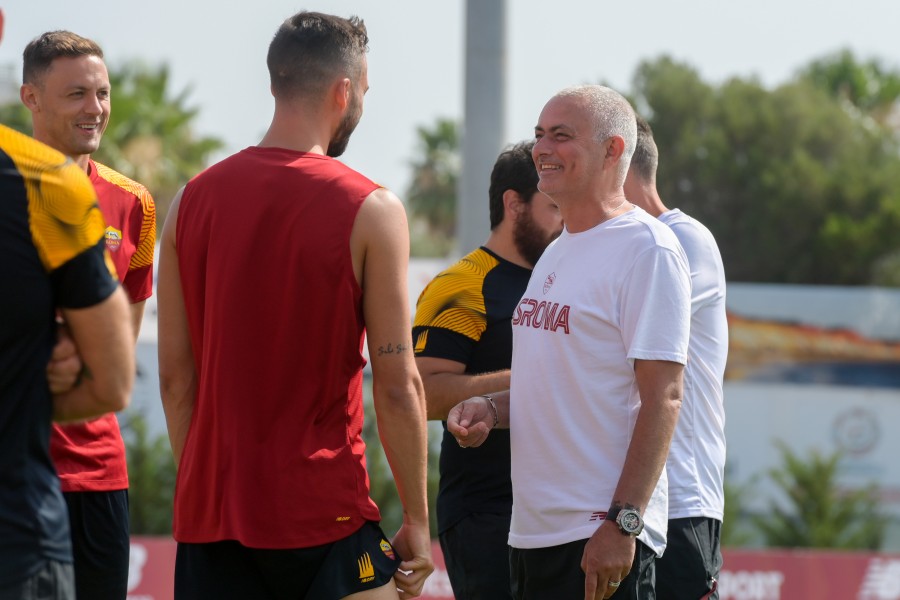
{"x": 464, "y": 315}
{"x": 52, "y": 254}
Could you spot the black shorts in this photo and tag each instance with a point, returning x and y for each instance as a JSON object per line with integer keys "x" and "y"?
{"x": 689, "y": 568}
{"x": 100, "y": 543}
{"x": 476, "y": 555}
{"x": 555, "y": 572}
{"x": 229, "y": 570}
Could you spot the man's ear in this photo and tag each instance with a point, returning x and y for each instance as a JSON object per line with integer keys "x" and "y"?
{"x": 615, "y": 147}
{"x": 29, "y": 96}
{"x": 512, "y": 204}
{"x": 341, "y": 91}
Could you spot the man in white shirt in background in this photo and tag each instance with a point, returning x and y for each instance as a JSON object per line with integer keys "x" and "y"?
{"x": 690, "y": 567}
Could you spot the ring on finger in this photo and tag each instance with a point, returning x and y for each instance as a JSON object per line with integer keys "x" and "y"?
{"x": 614, "y": 584}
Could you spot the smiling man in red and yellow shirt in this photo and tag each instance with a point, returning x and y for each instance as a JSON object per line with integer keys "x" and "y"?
{"x": 66, "y": 88}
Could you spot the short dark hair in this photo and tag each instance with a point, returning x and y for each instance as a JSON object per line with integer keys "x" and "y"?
{"x": 40, "y": 52}
{"x": 646, "y": 155}
{"x": 311, "y": 48}
{"x": 513, "y": 170}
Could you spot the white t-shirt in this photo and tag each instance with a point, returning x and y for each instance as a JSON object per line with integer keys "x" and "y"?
{"x": 696, "y": 465}
{"x": 597, "y": 300}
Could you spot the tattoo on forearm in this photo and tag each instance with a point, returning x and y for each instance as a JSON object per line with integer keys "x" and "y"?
{"x": 392, "y": 349}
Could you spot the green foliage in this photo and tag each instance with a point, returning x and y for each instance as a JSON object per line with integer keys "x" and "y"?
{"x": 432, "y": 194}
{"x": 886, "y": 271}
{"x": 795, "y": 188}
{"x": 150, "y": 135}
{"x": 16, "y": 116}
{"x": 868, "y": 86}
{"x": 819, "y": 513}
{"x": 381, "y": 482}
{"x": 734, "y": 532}
{"x": 151, "y": 477}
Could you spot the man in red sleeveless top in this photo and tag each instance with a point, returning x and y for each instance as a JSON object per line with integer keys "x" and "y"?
{"x": 66, "y": 87}
{"x": 274, "y": 265}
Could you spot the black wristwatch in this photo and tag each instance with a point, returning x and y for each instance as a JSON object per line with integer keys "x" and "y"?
{"x": 629, "y": 520}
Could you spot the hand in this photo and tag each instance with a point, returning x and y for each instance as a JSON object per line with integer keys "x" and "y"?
{"x": 470, "y": 421}
{"x": 65, "y": 363}
{"x": 412, "y": 544}
{"x": 608, "y": 556}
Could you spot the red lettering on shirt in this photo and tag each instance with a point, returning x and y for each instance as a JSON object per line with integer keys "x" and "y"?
{"x": 548, "y": 316}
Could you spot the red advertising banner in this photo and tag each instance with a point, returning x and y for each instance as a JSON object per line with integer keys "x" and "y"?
{"x": 747, "y": 575}
{"x": 151, "y": 569}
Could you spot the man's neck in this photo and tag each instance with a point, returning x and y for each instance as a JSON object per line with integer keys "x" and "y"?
{"x": 648, "y": 198}
{"x": 83, "y": 161}
{"x": 501, "y": 243}
{"x": 296, "y": 129}
{"x": 586, "y": 213}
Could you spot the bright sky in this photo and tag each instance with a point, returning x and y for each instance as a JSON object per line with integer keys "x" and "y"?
{"x": 218, "y": 48}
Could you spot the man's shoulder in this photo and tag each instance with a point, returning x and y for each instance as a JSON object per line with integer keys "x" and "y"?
{"x": 33, "y": 158}
{"x": 116, "y": 180}
{"x": 18, "y": 145}
{"x": 470, "y": 270}
{"x": 457, "y": 290}
{"x": 677, "y": 217}
{"x": 63, "y": 214}
{"x": 687, "y": 229}
{"x": 655, "y": 232}
{"x": 64, "y": 189}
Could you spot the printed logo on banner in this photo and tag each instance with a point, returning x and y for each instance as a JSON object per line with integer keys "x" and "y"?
{"x": 856, "y": 431}
{"x": 882, "y": 580}
{"x": 137, "y": 558}
{"x": 750, "y": 585}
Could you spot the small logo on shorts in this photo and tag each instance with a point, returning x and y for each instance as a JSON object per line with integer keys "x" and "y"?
{"x": 339, "y": 519}
{"x": 113, "y": 238}
{"x": 596, "y": 516}
{"x": 366, "y": 570}
{"x": 386, "y": 548}
{"x": 548, "y": 283}
{"x": 421, "y": 341}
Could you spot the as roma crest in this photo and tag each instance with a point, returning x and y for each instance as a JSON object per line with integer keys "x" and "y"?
{"x": 548, "y": 283}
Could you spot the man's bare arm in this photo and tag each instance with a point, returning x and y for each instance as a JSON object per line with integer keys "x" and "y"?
{"x": 447, "y": 384}
{"x": 65, "y": 366}
{"x": 105, "y": 343}
{"x": 137, "y": 317}
{"x": 380, "y": 248}
{"x": 177, "y": 373}
{"x": 608, "y": 555}
{"x": 660, "y": 387}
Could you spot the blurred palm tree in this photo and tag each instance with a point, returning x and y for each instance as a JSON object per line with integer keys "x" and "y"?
{"x": 432, "y": 193}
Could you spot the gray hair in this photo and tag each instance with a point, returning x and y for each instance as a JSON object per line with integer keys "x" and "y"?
{"x": 612, "y": 116}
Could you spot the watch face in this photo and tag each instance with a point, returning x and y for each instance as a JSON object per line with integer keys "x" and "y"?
{"x": 630, "y": 521}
